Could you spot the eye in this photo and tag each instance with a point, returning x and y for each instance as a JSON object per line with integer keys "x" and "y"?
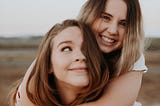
{"x": 105, "y": 18}
{"x": 66, "y": 49}
{"x": 123, "y": 23}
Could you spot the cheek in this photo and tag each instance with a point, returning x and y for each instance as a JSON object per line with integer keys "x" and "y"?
{"x": 122, "y": 34}
{"x": 58, "y": 68}
{"x": 59, "y": 62}
{"x": 56, "y": 62}
{"x": 96, "y": 26}
{"x": 121, "y": 39}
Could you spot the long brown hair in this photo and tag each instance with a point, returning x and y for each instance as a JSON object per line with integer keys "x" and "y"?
{"x": 134, "y": 40}
{"x": 41, "y": 88}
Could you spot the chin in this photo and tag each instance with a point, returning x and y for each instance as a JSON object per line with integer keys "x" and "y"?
{"x": 106, "y": 50}
{"x": 81, "y": 84}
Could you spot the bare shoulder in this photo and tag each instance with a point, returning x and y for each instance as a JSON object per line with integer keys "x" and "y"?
{"x": 22, "y": 98}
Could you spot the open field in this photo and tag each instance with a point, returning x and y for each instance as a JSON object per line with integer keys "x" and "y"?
{"x": 16, "y": 56}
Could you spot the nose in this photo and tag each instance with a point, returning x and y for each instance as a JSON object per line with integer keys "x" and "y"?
{"x": 79, "y": 56}
{"x": 113, "y": 28}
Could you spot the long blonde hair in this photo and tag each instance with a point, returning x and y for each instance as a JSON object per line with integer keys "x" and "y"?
{"x": 41, "y": 88}
{"x": 120, "y": 60}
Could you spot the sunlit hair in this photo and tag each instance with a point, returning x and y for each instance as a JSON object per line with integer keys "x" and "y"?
{"x": 41, "y": 88}
{"x": 121, "y": 60}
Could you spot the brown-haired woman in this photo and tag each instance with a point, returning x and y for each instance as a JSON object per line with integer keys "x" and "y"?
{"x": 66, "y": 73}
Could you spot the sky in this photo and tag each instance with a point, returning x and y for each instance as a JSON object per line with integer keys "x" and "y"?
{"x": 36, "y": 17}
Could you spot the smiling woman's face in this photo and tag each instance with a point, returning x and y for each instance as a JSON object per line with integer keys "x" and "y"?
{"x": 110, "y": 28}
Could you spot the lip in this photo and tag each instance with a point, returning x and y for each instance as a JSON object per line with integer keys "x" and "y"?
{"x": 105, "y": 42}
{"x": 78, "y": 69}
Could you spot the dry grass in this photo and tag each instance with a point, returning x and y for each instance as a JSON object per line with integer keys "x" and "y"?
{"x": 14, "y": 61}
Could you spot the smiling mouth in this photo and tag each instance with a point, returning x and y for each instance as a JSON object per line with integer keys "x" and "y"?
{"x": 107, "y": 40}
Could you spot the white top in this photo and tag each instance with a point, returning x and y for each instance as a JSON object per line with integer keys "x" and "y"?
{"x": 140, "y": 64}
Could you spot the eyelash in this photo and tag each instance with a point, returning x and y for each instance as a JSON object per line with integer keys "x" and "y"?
{"x": 122, "y": 24}
{"x": 66, "y": 49}
{"x": 106, "y": 19}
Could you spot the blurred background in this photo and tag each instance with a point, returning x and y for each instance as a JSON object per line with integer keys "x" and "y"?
{"x": 24, "y": 22}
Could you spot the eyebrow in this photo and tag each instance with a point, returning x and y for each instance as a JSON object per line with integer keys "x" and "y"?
{"x": 68, "y": 42}
{"x": 107, "y": 14}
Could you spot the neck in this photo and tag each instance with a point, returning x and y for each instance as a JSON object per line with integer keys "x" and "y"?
{"x": 112, "y": 54}
{"x": 67, "y": 93}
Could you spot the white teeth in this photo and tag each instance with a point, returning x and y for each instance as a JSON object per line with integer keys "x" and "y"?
{"x": 107, "y": 39}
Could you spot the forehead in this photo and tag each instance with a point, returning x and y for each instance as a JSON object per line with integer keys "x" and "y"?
{"x": 117, "y": 8}
{"x": 72, "y": 33}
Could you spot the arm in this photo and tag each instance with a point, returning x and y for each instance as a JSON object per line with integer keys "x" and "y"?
{"x": 24, "y": 100}
{"x": 121, "y": 91}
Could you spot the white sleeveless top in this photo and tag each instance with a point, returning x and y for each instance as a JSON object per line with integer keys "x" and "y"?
{"x": 139, "y": 65}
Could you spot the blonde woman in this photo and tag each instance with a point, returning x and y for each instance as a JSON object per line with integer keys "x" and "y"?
{"x": 65, "y": 71}
{"x": 117, "y": 25}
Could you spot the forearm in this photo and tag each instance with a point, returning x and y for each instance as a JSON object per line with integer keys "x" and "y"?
{"x": 121, "y": 91}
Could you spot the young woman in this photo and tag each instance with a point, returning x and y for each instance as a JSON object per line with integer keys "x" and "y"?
{"x": 65, "y": 72}
{"x": 117, "y": 25}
